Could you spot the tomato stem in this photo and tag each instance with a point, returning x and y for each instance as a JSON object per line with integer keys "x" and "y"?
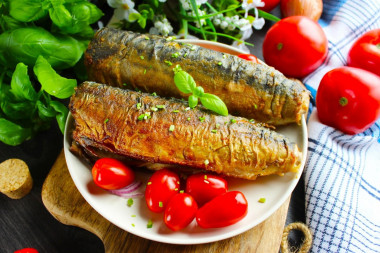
{"x": 343, "y": 101}
{"x": 280, "y": 46}
{"x": 378, "y": 46}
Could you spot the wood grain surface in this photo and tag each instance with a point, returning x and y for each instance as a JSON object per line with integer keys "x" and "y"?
{"x": 66, "y": 204}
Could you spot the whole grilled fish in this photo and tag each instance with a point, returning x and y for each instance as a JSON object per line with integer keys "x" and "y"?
{"x": 145, "y": 62}
{"x": 143, "y": 127}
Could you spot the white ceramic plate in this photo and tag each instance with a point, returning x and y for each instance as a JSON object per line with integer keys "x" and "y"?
{"x": 134, "y": 219}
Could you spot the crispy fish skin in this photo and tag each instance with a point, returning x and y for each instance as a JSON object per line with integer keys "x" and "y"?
{"x": 145, "y": 62}
{"x": 107, "y": 119}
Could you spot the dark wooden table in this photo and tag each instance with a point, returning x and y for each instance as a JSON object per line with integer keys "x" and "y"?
{"x": 26, "y": 222}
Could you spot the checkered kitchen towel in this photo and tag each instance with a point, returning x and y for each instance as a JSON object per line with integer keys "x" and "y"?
{"x": 342, "y": 173}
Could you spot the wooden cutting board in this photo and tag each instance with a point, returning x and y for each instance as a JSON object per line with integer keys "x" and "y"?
{"x": 66, "y": 204}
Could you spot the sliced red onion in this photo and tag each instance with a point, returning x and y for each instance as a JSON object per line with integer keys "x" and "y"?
{"x": 129, "y": 191}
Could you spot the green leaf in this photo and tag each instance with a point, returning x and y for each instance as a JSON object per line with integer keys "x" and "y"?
{"x": 61, "y": 115}
{"x": 17, "y": 110}
{"x": 184, "y": 82}
{"x": 214, "y": 103}
{"x": 266, "y": 15}
{"x": 45, "y": 111}
{"x": 60, "y": 16}
{"x": 27, "y": 10}
{"x": 142, "y": 21}
{"x": 13, "y": 134}
{"x": 12, "y": 23}
{"x": 134, "y": 16}
{"x": 26, "y": 44}
{"x": 21, "y": 86}
{"x": 198, "y": 91}
{"x": 51, "y": 82}
{"x": 193, "y": 101}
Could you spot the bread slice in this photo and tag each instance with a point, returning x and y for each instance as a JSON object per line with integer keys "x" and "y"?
{"x": 15, "y": 178}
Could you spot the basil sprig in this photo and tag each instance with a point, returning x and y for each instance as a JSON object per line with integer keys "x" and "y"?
{"x": 186, "y": 84}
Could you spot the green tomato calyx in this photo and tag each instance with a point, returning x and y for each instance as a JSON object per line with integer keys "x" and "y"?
{"x": 343, "y": 101}
{"x": 280, "y": 46}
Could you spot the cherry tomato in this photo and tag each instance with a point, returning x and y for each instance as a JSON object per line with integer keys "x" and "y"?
{"x": 249, "y": 57}
{"x": 180, "y": 211}
{"x": 161, "y": 187}
{"x": 269, "y": 5}
{"x": 204, "y": 187}
{"x": 365, "y": 52}
{"x": 111, "y": 174}
{"x": 223, "y": 210}
{"x": 26, "y": 250}
{"x": 295, "y": 45}
{"x": 349, "y": 99}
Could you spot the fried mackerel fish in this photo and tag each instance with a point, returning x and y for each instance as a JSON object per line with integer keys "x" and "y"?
{"x": 145, "y": 62}
{"x": 142, "y": 127}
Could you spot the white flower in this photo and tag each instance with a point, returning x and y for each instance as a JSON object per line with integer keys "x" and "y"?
{"x": 258, "y": 23}
{"x": 246, "y": 31}
{"x": 186, "y": 5}
{"x": 241, "y": 46}
{"x": 162, "y": 1}
{"x": 162, "y": 25}
{"x": 251, "y": 4}
{"x": 123, "y": 8}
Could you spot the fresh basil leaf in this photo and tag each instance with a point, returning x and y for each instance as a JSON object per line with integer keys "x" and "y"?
{"x": 26, "y": 44}
{"x": 85, "y": 11}
{"x": 184, "y": 82}
{"x": 28, "y": 10}
{"x": 134, "y": 16}
{"x": 193, "y": 101}
{"x": 13, "y": 134}
{"x": 16, "y": 110}
{"x": 44, "y": 111}
{"x": 51, "y": 82}
{"x": 214, "y": 103}
{"x": 61, "y": 115}
{"x": 12, "y": 23}
{"x": 198, "y": 91}
{"x": 60, "y": 16}
{"x": 21, "y": 86}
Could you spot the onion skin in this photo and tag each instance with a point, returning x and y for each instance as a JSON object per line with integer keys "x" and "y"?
{"x": 309, "y": 8}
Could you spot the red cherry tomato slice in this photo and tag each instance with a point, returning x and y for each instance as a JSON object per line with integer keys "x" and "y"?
{"x": 111, "y": 174}
{"x": 223, "y": 210}
{"x": 365, "y": 52}
{"x": 204, "y": 187}
{"x": 249, "y": 57}
{"x": 161, "y": 187}
{"x": 180, "y": 211}
{"x": 295, "y": 45}
{"x": 349, "y": 99}
{"x": 26, "y": 250}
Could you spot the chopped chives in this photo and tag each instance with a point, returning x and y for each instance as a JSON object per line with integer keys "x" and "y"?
{"x": 130, "y": 202}
{"x": 154, "y": 94}
{"x": 205, "y": 177}
{"x": 169, "y": 63}
{"x": 149, "y": 183}
{"x": 202, "y": 119}
{"x": 185, "y": 55}
{"x": 233, "y": 120}
{"x": 146, "y": 37}
{"x": 133, "y": 215}
{"x": 141, "y": 117}
{"x": 160, "y": 204}
{"x": 106, "y": 120}
{"x": 150, "y": 224}
{"x": 124, "y": 84}
{"x": 181, "y": 191}
{"x": 175, "y": 55}
{"x": 160, "y": 106}
{"x": 175, "y": 111}
{"x": 220, "y": 63}
{"x": 171, "y": 128}
{"x": 217, "y": 125}
{"x": 255, "y": 105}
{"x": 188, "y": 119}
{"x": 138, "y": 105}
{"x": 144, "y": 71}
{"x": 141, "y": 57}
{"x": 133, "y": 225}
{"x": 251, "y": 120}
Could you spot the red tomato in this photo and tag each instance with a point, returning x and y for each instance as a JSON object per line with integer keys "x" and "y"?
{"x": 180, "y": 211}
{"x": 349, "y": 99}
{"x": 365, "y": 52}
{"x": 249, "y": 57}
{"x": 204, "y": 187}
{"x": 269, "y": 5}
{"x": 111, "y": 174}
{"x": 295, "y": 45}
{"x": 223, "y": 210}
{"x": 161, "y": 187}
{"x": 26, "y": 250}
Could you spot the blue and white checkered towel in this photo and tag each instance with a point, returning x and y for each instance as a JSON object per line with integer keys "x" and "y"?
{"x": 342, "y": 173}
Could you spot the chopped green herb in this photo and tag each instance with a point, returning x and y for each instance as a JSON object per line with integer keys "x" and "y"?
{"x": 185, "y": 55}
{"x": 220, "y": 63}
{"x": 124, "y": 84}
{"x": 149, "y": 183}
{"x": 160, "y": 106}
{"x": 251, "y": 120}
{"x": 175, "y": 111}
{"x": 233, "y": 120}
{"x": 133, "y": 215}
{"x": 224, "y": 56}
{"x": 141, "y": 57}
{"x": 144, "y": 116}
{"x": 187, "y": 108}
{"x": 138, "y": 105}
{"x": 193, "y": 48}
{"x": 217, "y": 125}
{"x": 169, "y": 63}
{"x": 175, "y": 55}
{"x": 202, "y": 119}
{"x": 177, "y": 68}
{"x": 255, "y": 105}
{"x": 141, "y": 117}
{"x": 176, "y": 189}
{"x": 181, "y": 191}
{"x": 206, "y": 162}
{"x": 214, "y": 131}
{"x": 136, "y": 89}
{"x": 106, "y": 120}
{"x": 171, "y": 128}
{"x": 154, "y": 109}
{"x": 146, "y": 37}
{"x": 154, "y": 94}
{"x": 188, "y": 119}
{"x": 130, "y": 202}
{"x": 205, "y": 177}
{"x": 133, "y": 225}
{"x": 262, "y": 200}
{"x": 144, "y": 71}
{"x": 160, "y": 204}
{"x": 150, "y": 224}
